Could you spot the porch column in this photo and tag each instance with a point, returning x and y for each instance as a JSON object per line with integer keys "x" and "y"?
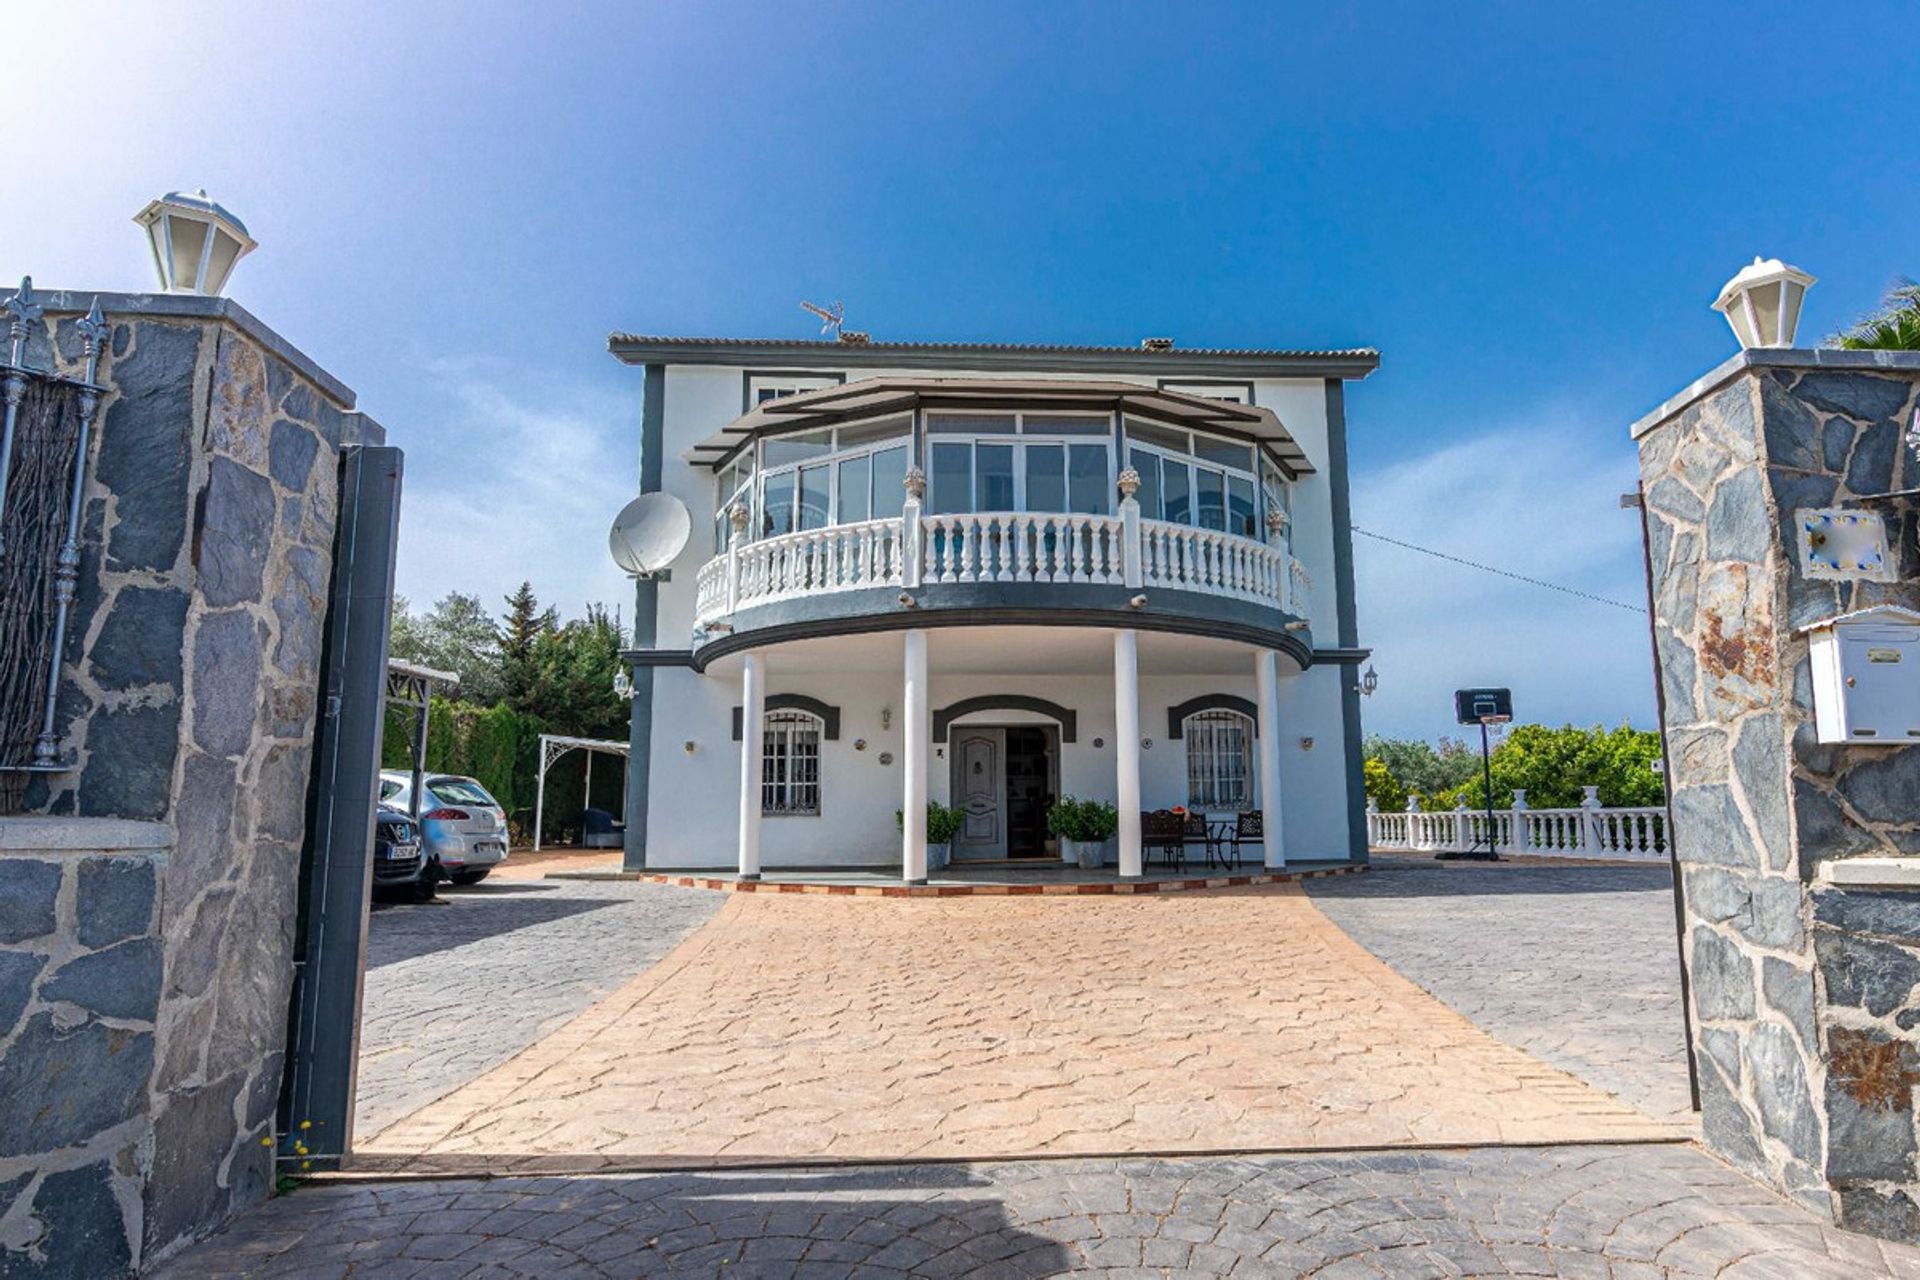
{"x": 1126, "y": 746}
{"x": 753, "y": 716}
{"x": 1266, "y": 692}
{"x": 918, "y": 727}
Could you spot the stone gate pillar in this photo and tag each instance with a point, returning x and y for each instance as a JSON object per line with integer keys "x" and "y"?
{"x": 1797, "y": 858}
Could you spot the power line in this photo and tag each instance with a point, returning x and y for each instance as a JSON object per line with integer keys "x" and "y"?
{"x": 1505, "y": 573}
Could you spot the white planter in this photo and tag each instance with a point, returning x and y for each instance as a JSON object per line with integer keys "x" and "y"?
{"x": 1086, "y": 854}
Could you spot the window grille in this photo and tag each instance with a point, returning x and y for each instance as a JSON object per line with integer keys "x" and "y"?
{"x": 1219, "y": 760}
{"x": 790, "y": 764}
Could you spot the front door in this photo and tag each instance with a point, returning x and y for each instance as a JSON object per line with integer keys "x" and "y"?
{"x": 980, "y": 792}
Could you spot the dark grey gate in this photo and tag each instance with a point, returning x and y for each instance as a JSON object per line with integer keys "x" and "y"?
{"x": 336, "y": 862}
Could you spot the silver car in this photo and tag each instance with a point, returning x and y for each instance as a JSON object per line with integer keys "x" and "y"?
{"x": 462, "y": 828}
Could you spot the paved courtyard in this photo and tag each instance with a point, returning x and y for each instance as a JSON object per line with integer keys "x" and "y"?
{"x": 456, "y": 988}
{"x": 1576, "y": 1212}
{"x": 801, "y": 1027}
{"x": 1575, "y": 964}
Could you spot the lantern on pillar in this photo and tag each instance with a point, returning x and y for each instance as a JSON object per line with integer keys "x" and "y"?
{"x": 195, "y": 242}
{"x": 1762, "y": 303}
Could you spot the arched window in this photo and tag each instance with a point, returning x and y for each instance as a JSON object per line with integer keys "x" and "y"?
{"x": 1219, "y": 760}
{"x": 790, "y": 764}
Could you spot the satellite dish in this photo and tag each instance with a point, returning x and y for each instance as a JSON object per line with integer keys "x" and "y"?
{"x": 648, "y": 533}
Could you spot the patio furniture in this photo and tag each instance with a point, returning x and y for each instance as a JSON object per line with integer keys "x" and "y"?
{"x": 1246, "y": 829}
{"x": 1166, "y": 831}
{"x": 598, "y": 830}
{"x": 1199, "y": 832}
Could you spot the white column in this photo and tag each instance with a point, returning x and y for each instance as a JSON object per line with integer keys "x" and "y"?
{"x": 753, "y": 716}
{"x": 918, "y": 728}
{"x": 1266, "y": 693}
{"x": 1126, "y": 746}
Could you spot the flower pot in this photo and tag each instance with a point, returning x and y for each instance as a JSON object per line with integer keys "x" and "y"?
{"x": 938, "y": 855}
{"x": 1086, "y": 854}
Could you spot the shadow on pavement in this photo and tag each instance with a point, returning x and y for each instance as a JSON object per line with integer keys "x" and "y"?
{"x": 850, "y": 1221}
{"x": 407, "y": 932}
{"x": 1405, "y": 878}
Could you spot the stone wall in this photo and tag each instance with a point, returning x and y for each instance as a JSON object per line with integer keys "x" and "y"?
{"x": 189, "y": 697}
{"x": 80, "y": 977}
{"x": 1797, "y": 989}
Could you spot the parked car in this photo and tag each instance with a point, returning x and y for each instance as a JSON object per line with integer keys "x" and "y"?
{"x": 462, "y": 828}
{"x": 399, "y": 866}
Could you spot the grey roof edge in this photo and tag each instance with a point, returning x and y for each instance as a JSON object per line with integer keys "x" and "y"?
{"x": 1776, "y": 358}
{"x": 194, "y": 306}
{"x": 1352, "y": 363}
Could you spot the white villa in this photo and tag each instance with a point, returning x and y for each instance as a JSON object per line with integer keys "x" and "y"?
{"x": 991, "y": 576}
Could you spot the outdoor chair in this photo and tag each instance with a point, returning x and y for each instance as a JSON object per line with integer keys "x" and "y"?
{"x": 1198, "y": 832}
{"x": 1246, "y": 829}
{"x": 1166, "y": 831}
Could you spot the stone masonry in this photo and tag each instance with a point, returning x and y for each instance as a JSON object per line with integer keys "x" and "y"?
{"x": 189, "y": 696}
{"x": 1804, "y": 997}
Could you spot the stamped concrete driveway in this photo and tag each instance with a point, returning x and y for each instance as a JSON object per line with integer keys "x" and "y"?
{"x": 797, "y": 1027}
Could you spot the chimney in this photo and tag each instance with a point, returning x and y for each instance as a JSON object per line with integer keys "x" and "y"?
{"x": 1156, "y": 344}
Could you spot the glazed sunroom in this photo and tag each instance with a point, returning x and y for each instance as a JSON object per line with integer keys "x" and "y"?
{"x": 934, "y": 485}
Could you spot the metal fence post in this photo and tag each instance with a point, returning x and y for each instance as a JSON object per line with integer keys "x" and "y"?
{"x": 21, "y": 314}
{"x": 94, "y": 331}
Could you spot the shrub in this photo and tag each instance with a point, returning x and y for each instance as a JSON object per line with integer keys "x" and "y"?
{"x": 943, "y": 822}
{"x": 1090, "y": 820}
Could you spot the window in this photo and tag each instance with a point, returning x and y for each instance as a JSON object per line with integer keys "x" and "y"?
{"x": 1191, "y": 478}
{"x": 1219, "y": 760}
{"x": 762, "y": 387}
{"x": 790, "y": 764}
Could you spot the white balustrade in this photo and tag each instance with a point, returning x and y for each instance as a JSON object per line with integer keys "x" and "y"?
{"x": 970, "y": 547}
{"x": 1589, "y": 831}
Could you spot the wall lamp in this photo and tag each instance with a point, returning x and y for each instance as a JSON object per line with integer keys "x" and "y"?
{"x": 909, "y": 601}
{"x": 1138, "y": 602}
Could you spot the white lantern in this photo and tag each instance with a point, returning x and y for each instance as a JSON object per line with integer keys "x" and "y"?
{"x": 1762, "y": 303}
{"x": 195, "y": 241}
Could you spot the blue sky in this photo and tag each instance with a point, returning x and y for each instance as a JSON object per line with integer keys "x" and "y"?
{"x": 1527, "y": 208}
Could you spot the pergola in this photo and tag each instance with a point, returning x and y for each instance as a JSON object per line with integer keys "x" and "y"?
{"x": 552, "y": 747}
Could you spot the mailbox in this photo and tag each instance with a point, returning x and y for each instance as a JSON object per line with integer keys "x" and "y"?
{"x": 1866, "y": 677}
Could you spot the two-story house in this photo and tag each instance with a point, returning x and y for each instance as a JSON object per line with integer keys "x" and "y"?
{"x": 991, "y": 576}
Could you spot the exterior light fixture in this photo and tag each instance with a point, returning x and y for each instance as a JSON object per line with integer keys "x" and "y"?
{"x": 195, "y": 242}
{"x": 1138, "y": 602}
{"x": 622, "y": 684}
{"x": 1369, "y": 681}
{"x": 1762, "y": 303}
{"x": 909, "y": 601}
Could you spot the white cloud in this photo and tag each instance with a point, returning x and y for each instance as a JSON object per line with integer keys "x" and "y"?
{"x": 1543, "y": 501}
{"x": 519, "y": 481}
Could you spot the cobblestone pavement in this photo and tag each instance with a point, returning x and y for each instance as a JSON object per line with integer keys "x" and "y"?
{"x": 1617, "y": 1212}
{"x": 1575, "y": 964}
{"x": 456, "y": 988}
{"x": 800, "y": 1027}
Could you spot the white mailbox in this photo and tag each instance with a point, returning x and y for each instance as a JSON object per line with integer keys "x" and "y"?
{"x": 1866, "y": 677}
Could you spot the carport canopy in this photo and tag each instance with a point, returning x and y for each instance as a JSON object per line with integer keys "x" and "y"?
{"x": 552, "y": 747}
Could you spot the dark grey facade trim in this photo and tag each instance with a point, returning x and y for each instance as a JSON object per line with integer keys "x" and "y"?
{"x": 1341, "y": 657}
{"x": 1177, "y": 715}
{"x": 132, "y": 306}
{"x": 657, "y": 657}
{"x": 995, "y": 605}
{"x": 829, "y": 715}
{"x": 1353, "y": 363}
{"x": 1236, "y": 384}
{"x": 1346, "y": 616}
{"x": 646, "y": 621}
{"x": 748, "y": 375}
{"x": 1069, "y": 718}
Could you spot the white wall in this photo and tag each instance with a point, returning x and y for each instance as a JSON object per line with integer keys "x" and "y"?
{"x": 694, "y": 805}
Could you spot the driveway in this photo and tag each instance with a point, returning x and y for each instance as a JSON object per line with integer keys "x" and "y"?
{"x": 798, "y": 1027}
{"x": 457, "y": 987}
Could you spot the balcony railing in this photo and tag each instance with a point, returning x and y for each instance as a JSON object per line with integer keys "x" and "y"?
{"x": 914, "y": 550}
{"x": 1634, "y": 833}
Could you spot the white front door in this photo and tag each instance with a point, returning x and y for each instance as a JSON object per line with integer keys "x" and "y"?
{"x": 980, "y": 791}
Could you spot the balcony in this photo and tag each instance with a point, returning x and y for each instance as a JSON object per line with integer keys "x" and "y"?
{"x": 930, "y": 551}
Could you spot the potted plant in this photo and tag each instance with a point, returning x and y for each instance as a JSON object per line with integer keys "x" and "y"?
{"x": 943, "y": 824}
{"x": 1083, "y": 828}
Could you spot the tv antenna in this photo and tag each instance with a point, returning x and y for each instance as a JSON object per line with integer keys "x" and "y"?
{"x": 831, "y": 317}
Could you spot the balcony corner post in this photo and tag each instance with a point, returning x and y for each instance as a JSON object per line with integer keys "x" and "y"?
{"x": 910, "y": 531}
{"x": 1132, "y": 558}
{"x": 738, "y": 516}
{"x": 1522, "y": 838}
